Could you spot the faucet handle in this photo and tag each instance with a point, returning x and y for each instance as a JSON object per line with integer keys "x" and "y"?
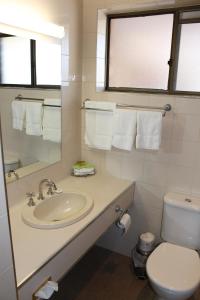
{"x": 50, "y": 188}
{"x": 30, "y": 194}
{"x": 31, "y": 201}
{"x": 10, "y": 172}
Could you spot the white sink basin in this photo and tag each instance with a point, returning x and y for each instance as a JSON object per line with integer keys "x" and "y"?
{"x": 57, "y": 211}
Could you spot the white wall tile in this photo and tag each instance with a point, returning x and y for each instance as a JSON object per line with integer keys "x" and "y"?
{"x": 89, "y": 45}
{"x": 184, "y": 153}
{"x": 162, "y": 155}
{"x": 155, "y": 173}
{"x": 179, "y": 179}
{"x": 113, "y": 163}
{"x": 187, "y": 105}
{"x": 131, "y": 168}
{"x": 186, "y": 127}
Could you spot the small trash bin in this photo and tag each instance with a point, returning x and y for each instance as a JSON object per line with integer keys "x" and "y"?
{"x": 140, "y": 253}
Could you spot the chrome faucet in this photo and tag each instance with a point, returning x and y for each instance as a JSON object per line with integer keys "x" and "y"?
{"x": 51, "y": 186}
{"x": 14, "y": 173}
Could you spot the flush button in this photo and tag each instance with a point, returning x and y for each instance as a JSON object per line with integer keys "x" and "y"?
{"x": 188, "y": 200}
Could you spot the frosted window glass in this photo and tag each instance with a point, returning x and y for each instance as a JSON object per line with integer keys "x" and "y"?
{"x": 15, "y": 60}
{"x": 188, "y": 74}
{"x": 140, "y": 49}
{"x": 48, "y": 63}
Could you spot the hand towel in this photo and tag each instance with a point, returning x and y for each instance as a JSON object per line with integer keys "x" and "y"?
{"x": 149, "y": 130}
{"x": 124, "y": 129}
{"x": 52, "y": 120}
{"x": 99, "y": 124}
{"x": 18, "y": 114}
{"x": 34, "y": 113}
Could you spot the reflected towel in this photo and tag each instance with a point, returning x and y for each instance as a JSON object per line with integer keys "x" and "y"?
{"x": 52, "y": 121}
{"x": 18, "y": 114}
{"x": 34, "y": 113}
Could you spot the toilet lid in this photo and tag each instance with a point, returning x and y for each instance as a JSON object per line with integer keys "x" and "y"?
{"x": 174, "y": 267}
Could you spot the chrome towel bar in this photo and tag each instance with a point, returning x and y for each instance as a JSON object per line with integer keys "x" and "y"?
{"x": 164, "y": 109}
{"x": 20, "y": 98}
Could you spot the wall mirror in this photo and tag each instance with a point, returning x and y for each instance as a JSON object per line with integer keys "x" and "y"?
{"x": 30, "y": 103}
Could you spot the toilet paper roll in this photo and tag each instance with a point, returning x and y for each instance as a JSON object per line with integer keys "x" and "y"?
{"x": 47, "y": 290}
{"x": 124, "y": 223}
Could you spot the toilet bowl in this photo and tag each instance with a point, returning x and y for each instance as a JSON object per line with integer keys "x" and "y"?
{"x": 174, "y": 271}
{"x": 173, "y": 268}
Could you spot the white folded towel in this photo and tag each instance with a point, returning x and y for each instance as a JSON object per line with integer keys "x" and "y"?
{"x": 99, "y": 124}
{"x": 34, "y": 113}
{"x": 18, "y": 114}
{"x": 52, "y": 120}
{"x": 149, "y": 130}
{"x": 124, "y": 129}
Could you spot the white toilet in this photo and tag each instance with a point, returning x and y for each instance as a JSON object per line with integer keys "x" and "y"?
{"x": 173, "y": 267}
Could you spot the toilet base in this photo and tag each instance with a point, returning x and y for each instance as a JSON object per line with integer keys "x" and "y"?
{"x": 163, "y": 294}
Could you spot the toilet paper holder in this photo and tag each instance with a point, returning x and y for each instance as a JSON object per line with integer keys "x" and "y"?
{"x": 120, "y": 210}
{"x": 45, "y": 282}
{"x": 39, "y": 287}
{"x": 123, "y": 214}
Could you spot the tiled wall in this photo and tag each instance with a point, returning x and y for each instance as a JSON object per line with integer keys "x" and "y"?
{"x": 175, "y": 167}
{"x": 7, "y": 279}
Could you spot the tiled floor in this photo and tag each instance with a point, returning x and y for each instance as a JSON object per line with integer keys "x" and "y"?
{"x": 104, "y": 275}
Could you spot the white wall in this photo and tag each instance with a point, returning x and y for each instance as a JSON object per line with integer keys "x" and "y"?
{"x": 7, "y": 276}
{"x": 175, "y": 167}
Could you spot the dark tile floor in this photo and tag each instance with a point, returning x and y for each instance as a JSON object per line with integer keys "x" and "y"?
{"x": 104, "y": 275}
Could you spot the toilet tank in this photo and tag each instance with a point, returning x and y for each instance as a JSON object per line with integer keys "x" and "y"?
{"x": 11, "y": 162}
{"x": 181, "y": 220}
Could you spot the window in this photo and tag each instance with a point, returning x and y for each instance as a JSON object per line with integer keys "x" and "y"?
{"x": 15, "y": 55}
{"x": 29, "y": 63}
{"x": 154, "y": 52}
{"x": 44, "y": 74}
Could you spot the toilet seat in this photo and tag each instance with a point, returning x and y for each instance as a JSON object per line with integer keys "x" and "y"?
{"x": 174, "y": 268}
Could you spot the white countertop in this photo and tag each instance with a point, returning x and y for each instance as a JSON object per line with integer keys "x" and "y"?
{"x": 34, "y": 247}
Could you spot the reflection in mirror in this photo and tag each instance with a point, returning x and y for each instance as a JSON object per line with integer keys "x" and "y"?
{"x": 30, "y": 104}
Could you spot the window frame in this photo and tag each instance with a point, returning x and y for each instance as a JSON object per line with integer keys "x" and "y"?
{"x": 33, "y": 84}
{"x": 175, "y": 43}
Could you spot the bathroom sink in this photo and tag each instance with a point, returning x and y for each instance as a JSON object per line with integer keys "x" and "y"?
{"x": 58, "y": 210}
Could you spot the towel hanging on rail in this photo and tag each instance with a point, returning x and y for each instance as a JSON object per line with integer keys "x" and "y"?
{"x": 99, "y": 124}
{"x": 52, "y": 120}
{"x": 124, "y": 129}
{"x": 149, "y": 130}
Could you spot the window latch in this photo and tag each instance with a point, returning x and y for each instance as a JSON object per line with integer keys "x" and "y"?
{"x": 170, "y": 62}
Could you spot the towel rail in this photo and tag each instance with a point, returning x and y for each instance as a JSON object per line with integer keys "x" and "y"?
{"x": 20, "y": 98}
{"x": 164, "y": 109}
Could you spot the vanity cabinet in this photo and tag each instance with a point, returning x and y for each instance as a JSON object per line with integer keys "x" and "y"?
{"x": 62, "y": 261}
